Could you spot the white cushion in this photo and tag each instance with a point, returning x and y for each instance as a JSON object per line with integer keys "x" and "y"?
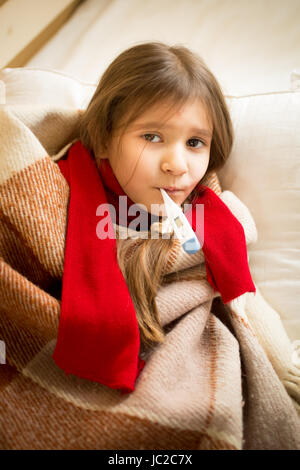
{"x": 263, "y": 171}
{"x": 37, "y": 86}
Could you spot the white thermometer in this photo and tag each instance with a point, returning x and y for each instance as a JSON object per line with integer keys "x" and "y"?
{"x": 181, "y": 225}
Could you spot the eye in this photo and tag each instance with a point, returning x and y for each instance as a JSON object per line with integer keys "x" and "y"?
{"x": 197, "y": 143}
{"x": 197, "y": 140}
{"x": 151, "y": 135}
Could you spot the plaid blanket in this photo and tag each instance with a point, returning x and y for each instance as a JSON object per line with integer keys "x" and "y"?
{"x": 223, "y": 379}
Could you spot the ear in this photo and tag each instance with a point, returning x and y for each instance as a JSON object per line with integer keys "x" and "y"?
{"x": 102, "y": 153}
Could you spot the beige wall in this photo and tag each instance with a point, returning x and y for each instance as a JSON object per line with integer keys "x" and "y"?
{"x": 25, "y": 25}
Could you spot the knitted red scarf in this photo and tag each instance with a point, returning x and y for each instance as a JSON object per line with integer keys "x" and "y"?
{"x": 98, "y": 336}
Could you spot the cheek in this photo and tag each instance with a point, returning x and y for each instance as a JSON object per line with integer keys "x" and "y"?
{"x": 145, "y": 164}
{"x": 199, "y": 165}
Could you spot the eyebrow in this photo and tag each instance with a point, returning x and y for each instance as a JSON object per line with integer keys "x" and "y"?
{"x": 157, "y": 125}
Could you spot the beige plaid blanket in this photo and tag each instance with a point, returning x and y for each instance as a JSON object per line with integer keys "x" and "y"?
{"x": 223, "y": 379}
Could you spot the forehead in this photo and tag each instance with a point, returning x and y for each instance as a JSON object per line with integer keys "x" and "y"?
{"x": 191, "y": 114}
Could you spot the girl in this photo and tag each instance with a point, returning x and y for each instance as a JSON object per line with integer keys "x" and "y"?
{"x": 158, "y": 119}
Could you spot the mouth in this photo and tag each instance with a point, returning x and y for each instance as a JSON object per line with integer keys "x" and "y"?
{"x": 172, "y": 190}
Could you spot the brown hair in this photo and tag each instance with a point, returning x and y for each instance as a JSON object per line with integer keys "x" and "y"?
{"x": 142, "y": 76}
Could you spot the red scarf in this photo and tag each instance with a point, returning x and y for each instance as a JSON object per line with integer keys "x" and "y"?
{"x": 98, "y": 335}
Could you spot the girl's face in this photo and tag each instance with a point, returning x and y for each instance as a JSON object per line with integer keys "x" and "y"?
{"x": 172, "y": 155}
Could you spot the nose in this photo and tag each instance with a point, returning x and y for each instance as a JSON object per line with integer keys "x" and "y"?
{"x": 174, "y": 163}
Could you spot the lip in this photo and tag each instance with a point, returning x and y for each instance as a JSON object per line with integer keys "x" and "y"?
{"x": 172, "y": 189}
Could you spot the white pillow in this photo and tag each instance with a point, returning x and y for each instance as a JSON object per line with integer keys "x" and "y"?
{"x": 263, "y": 171}
{"x": 28, "y": 90}
{"x": 37, "y": 86}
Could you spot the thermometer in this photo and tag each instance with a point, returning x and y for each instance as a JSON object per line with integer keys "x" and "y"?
{"x": 181, "y": 225}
